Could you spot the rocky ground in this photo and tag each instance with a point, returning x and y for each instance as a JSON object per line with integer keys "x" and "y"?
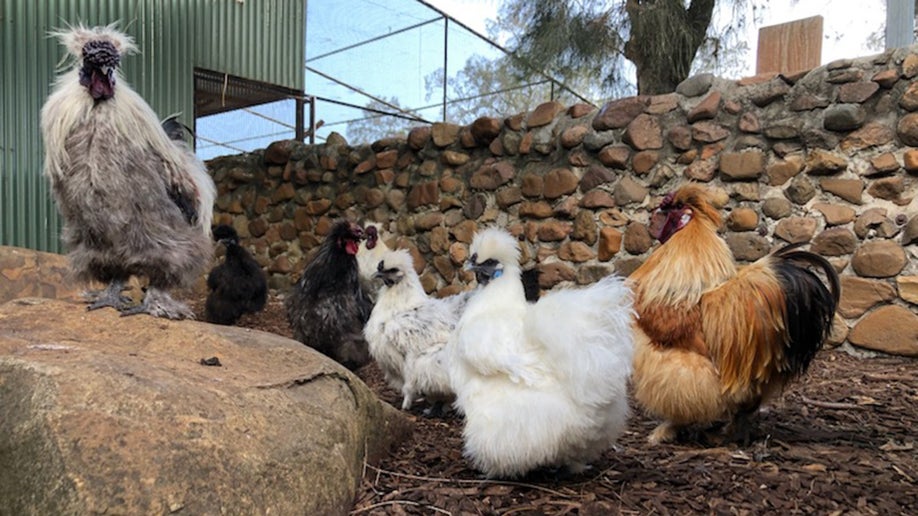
{"x": 841, "y": 441}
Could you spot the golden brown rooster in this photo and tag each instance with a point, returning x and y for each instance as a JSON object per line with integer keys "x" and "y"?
{"x": 713, "y": 341}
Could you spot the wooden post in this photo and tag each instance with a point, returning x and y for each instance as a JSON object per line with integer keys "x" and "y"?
{"x": 300, "y": 122}
{"x": 790, "y": 47}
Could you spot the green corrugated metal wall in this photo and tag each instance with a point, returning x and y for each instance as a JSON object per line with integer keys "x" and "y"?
{"x": 256, "y": 39}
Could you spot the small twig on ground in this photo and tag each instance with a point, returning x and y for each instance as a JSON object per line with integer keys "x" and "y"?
{"x": 904, "y": 474}
{"x": 399, "y": 502}
{"x": 830, "y": 404}
{"x": 366, "y": 453}
{"x": 466, "y": 481}
{"x": 888, "y": 377}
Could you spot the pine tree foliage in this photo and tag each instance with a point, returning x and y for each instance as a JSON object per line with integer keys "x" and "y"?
{"x": 661, "y": 38}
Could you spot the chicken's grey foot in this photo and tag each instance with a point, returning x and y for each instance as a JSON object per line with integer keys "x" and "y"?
{"x": 159, "y": 303}
{"x": 109, "y": 296}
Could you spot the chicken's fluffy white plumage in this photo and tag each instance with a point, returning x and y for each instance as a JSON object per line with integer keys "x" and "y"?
{"x": 543, "y": 384}
{"x": 408, "y": 331}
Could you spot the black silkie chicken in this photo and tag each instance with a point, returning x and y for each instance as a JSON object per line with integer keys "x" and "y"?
{"x": 329, "y": 306}
{"x": 134, "y": 202}
{"x": 238, "y": 285}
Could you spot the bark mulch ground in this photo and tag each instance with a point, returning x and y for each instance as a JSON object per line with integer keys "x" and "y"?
{"x": 840, "y": 441}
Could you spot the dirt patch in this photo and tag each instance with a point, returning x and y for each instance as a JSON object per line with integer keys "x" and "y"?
{"x": 841, "y": 441}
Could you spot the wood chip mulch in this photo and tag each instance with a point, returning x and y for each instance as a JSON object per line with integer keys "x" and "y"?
{"x": 840, "y": 441}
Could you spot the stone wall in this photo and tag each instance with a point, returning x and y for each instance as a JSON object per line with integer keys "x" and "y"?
{"x": 828, "y": 157}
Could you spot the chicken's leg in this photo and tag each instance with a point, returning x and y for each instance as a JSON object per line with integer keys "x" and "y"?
{"x": 665, "y": 432}
{"x": 437, "y": 409}
{"x": 742, "y": 429}
{"x": 159, "y": 303}
{"x": 109, "y": 296}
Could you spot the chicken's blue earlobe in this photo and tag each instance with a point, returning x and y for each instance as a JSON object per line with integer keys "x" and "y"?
{"x": 486, "y": 270}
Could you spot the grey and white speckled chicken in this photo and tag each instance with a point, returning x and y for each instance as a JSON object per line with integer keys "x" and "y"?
{"x": 134, "y": 202}
{"x": 408, "y": 332}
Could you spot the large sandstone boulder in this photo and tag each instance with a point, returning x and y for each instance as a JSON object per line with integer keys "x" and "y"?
{"x": 110, "y": 414}
{"x": 891, "y": 329}
{"x": 28, "y": 273}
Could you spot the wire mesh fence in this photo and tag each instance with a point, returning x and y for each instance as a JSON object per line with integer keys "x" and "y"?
{"x": 377, "y": 69}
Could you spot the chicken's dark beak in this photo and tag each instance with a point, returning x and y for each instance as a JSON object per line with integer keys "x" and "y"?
{"x": 99, "y": 81}
{"x": 389, "y": 277}
{"x": 666, "y": 223}
{"x": 485, "y": 271}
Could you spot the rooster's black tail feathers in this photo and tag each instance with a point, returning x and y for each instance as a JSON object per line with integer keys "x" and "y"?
{"x": 809, "y": 304}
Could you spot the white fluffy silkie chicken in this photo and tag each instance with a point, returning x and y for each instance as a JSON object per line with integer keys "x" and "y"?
{"x": 408, "y": 333}
{"x": 541, "y": 384}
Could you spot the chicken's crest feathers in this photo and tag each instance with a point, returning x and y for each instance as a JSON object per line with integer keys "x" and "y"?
{"x": 407, "y": 291}
{"x": 400, "y": 259}
{"x": 74, "y": 38}
{"x": 498, "y": 244}
{"x": 225, "y": 232}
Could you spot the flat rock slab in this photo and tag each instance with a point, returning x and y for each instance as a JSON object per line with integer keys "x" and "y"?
{"x": 110, "y": 414}
{"x": 29, "y": 273}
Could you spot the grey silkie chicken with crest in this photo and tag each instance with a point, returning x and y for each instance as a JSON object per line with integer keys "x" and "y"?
{"x": 134, "y": 202}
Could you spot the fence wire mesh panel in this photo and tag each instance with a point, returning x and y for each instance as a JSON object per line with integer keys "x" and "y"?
{"x": 377, "y": 69}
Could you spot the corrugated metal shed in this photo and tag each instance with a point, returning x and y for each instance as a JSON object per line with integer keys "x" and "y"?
{"x": 260, "y": 40}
